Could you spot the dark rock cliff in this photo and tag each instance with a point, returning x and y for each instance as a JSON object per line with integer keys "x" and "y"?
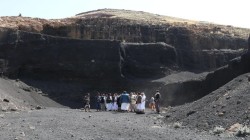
{"x": 45, "y": 57}
{"x": 184, "y": 92}
{"x": 148, "y": 60}
{"x": 189, "y": 43}
{"x": 90, "y": 64}
{"x": 200, "y": 46}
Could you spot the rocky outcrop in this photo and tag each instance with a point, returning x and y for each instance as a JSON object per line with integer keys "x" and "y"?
{"x": 188, "y": 91}
{"x": 189, "y": 43}
{"x": 39, "y": 56}
{"x": 148, "y": 60}
{"x": 200, "y": 46}
{"x": 91, "y": 64}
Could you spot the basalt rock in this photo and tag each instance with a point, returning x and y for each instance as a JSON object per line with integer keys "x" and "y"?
{"x": 38, "y": 56}
{"x": 148, "y": 60}
{"x": 200, "y": 46}
{"x": 188, "y": 91}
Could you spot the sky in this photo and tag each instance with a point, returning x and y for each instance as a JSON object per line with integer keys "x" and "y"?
{"x": 227, "y": 12}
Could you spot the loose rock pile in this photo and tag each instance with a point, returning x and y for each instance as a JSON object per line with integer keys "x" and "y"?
{"x": 223, "y": 108}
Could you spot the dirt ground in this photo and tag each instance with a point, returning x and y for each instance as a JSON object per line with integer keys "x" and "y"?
{"x": 64, "y": 124}
{"x": 26, "y": 113}
{"x": 226, "y": 106}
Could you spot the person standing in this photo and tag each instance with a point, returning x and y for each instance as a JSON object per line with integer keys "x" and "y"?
{"x": 152, "y": 103}
{"x": 143, "y": 101}
{"x": 109, "y": 102}
{"x": 98, "y": 100}
{"x": 119, "y": 102}
{"x": 124, "y": 101}
{"x": 102, "y": 102}
{"x": 132, "y": 107}
{"x": 114, "y": 102}
{"x": 140, "y": 108}
{"x": 157, "y": 101}
{"x": 87, "y": 102}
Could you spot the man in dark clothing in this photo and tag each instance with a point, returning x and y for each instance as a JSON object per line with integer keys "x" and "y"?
{"x": 87, "y": 102}
{"x": 157, "y": 101}
{"x": 125, "y": 101}
{"x": 103, "y": 102}
{"x": 119, "y": 102}
{"x": 98, "y": 102}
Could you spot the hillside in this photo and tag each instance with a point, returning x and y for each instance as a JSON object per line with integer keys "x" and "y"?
{"x": 127, "y": 17}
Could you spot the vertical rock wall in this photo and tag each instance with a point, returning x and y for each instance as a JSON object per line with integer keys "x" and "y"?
{"x": 196, "y": 51}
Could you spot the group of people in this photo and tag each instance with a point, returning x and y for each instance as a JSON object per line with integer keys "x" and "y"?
{"x": 124, "y": 102}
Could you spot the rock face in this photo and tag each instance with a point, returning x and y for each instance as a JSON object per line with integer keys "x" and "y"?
{"x": 200, "y": 46}
{"x": 148, "y": 59}
{"x": 38, "y": 56}
{"x": 190, "y": 41}
{"x": 95, "y": 64}
{"x": 184, "y": 92}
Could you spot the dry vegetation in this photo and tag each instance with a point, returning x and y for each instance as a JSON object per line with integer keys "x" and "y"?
{"x": 140, "y": 17}
{"x": 130, "y": 17}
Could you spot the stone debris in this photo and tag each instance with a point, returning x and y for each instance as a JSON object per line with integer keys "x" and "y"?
{"x": 32, "y": 127}
{"x": 14, "y": 109}
{"x": 6, "y": 100}
{"x": 38, "y": 107}
{"x": 22, "y": 134}
{"x": 221, "y": 114}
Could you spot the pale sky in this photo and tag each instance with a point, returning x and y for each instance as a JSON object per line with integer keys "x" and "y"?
{"x": 228, "y": 12}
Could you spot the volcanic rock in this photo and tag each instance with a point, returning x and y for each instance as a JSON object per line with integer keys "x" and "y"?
{"x": 6, "y": 100}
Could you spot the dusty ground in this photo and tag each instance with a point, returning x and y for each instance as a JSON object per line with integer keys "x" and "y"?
{"x": 57, "y": 122}
{"x": 16, "y": 95}
{"x": 61, "y": 123}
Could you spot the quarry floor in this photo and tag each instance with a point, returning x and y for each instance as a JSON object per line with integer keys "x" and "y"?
{"x": 64, "y": 124}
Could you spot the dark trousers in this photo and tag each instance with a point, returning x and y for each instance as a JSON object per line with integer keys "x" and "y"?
{"x": 157, "y": 106}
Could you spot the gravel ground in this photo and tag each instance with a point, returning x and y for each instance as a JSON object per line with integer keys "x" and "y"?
{"x": 226, "y": 106}
{"x": 63, "y": 123}
{"x": 20, "y": 120}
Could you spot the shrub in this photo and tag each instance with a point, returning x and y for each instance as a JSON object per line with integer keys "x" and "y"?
{"x": 243, "y": 131}
{"x": 218, "y": 130}
{"x": 177, "y": 125}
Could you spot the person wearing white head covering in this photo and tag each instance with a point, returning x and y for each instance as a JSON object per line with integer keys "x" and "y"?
{"x": 143, "y": 101}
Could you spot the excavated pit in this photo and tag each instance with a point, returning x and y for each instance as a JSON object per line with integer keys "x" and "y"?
{"x": 65, "y": 69}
